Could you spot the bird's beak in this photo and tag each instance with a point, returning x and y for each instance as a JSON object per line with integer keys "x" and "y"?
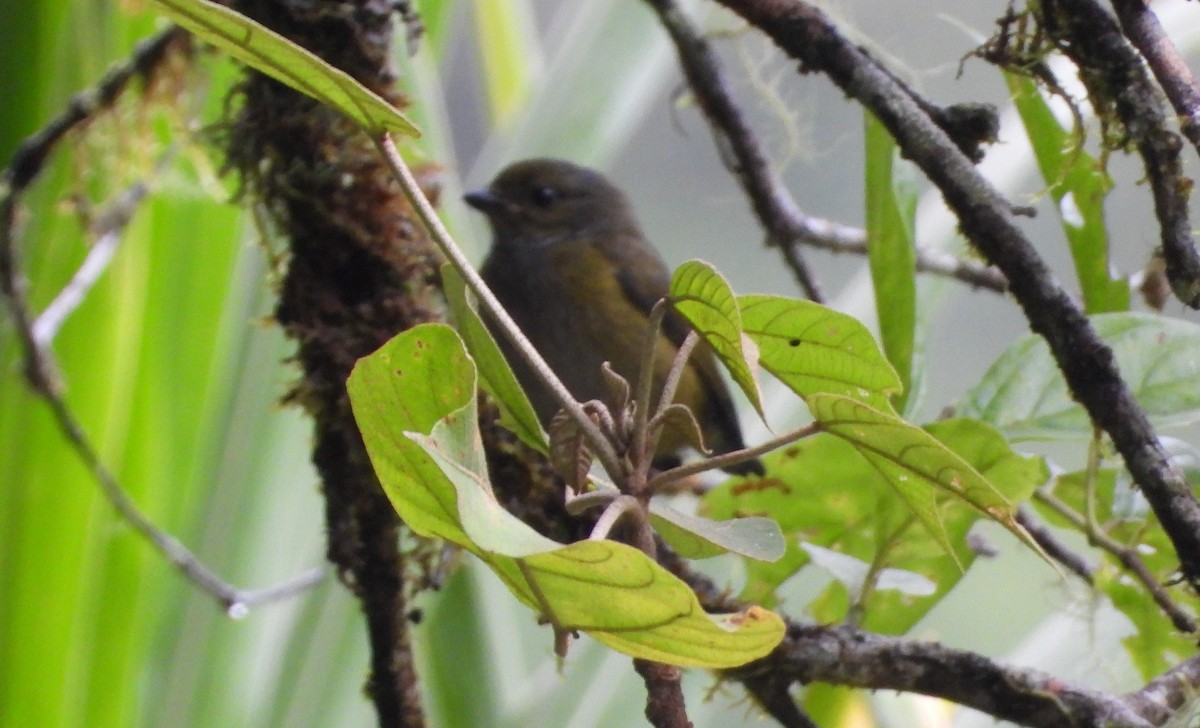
{"x": 484, "y": 201}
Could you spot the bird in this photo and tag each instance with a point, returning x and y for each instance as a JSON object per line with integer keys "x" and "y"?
{"x": 570, "y": 264}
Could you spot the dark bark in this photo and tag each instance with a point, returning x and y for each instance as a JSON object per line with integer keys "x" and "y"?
{"x": 359, "y": 270}
{"x": 1118, "y": 85}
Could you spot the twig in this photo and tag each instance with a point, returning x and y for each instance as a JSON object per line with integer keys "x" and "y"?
{"x": 837, "y": 238}
{"x": 787, "y": 227}
{"x": 988, "y": 221}
{"x": 1053, "y": 546}
{"x": 106, "y": 230}
{"x": 665, "y": 399}
{"x": 30, "y": 157}
{"x": 645, "y": 384}
{"x": 1142, "y": 28}
{"x": 616, "y": 508}
{"x": 1113, "y": 72}
{"x": 1128, "y": 558}
{"x": 35, "y": 335}
{"x": 772, "y": 203}
{"x": 235, "y": 601}
{"x": 667, "y": 477}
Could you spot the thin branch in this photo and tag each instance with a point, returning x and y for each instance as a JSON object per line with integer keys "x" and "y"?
{"x": 30, "y": 157}
{"x": 807, "y": 34}
{"x": 838, "y": 238}
{"x": 772, "y": 203}
{"x": 1113, "y": 72}
{"x": 235, "y": 601}
{"x": 617, "y": 507}
{"x": 667, "y": 477}
{"x": 1054, "y": 547}
{"x": 666, "y": 398}
{"x": 106, "y": 230}
{"x": 1128, "y": 557}
{"x": 645, "y": 385}
{"x": 787, "y": 227}
{"x": 1142, "y": 28}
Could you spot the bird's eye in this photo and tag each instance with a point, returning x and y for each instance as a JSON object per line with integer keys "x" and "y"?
{"x": 543, "y": 196}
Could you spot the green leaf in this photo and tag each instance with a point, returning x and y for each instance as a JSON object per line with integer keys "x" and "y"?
{"x": 1078, "y": 184}
{"x": 813, "y": 349}
{"x": 1014, "y": 476}
{"x": 496, "y": 377}
{"x": 915, "y": 463}
{"x": 824, "y": 492}
{"x": 696, "y": 537}
{"x": 409, "y": 384}
{"x": 891, "y": 207}
{"x": 705, "y": 299}
{"x": 1157, "y": 644}
{"x": 821, "y": 491}
{"x": 1024, "y": 395}
{"x": 414, "y": 401}
{"x": 268, "y": 52}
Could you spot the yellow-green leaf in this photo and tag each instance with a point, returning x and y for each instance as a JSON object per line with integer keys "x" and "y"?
{"x": 915, "y": 463}
{"x": 268, "y": 52}
{"x": 891, "y": 206}
{"x": 414, "y": 401}
{"x": 705, "y": 299}
{"x": 813, "y": 349}
{"x": 496, "y": 377}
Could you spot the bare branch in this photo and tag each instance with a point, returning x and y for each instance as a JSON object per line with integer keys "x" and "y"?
{"x": 772, "y": 203}
{"x": 1053, "y": 546}
{"x": 1113, "y": 72}
{"x": 1128, "y": 557}
{"x": 106, "y": 231}
{"x": 664, "y": 479}
{"x": 1142, "y": 28}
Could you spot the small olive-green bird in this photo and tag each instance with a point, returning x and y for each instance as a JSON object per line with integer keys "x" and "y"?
{"x": 571, "y": 265}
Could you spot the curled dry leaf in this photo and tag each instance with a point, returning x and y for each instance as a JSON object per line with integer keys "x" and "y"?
{"x": 569, "y": 454}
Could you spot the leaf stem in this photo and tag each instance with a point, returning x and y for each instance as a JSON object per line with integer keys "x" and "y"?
{"x": 732, "y": 458}
{"x": 1126, "y": 555}
{"x": 645, "y": 385}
